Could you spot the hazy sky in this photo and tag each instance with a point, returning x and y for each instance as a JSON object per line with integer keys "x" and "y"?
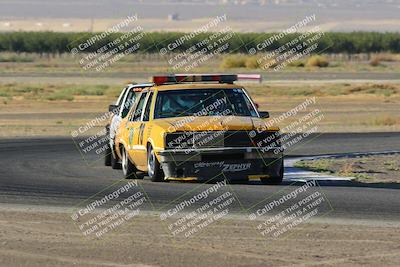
{"x": 341, "y": 14}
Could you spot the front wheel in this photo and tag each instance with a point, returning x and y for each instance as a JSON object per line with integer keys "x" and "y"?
{"x": 153, "y": 167}
{"x": 107, "y": 153}
{"x": 107, "y": 156}
{"x": 128, "y": 168}
{"x": 115, "y": 162}
{"x": 274, "y": 180}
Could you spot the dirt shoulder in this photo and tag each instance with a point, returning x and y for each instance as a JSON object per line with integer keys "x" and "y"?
{"x": 366, "y": 169}
{"x": 32, "y": 238}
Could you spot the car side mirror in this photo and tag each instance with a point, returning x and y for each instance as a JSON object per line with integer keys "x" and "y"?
{"x": 264, "y": 114}
{"x": 112, "y": 108}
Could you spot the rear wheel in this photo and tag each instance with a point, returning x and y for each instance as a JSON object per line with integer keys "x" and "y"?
{"x": 153, "y": 166}
{"x": 128, "y": 168}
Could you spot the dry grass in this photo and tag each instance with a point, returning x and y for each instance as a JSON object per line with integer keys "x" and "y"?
{"x": 369, "y": 169}
{"x": 386, "y": 120}
{"x": 297, "y": 64}
{"x": 233, "y": 61}
{"x": 375, "y": 62}
{"x": 327, "y": 90}
{"x": 154, "y": 63}
{"x": 12, "y": 57}
{"x": 378, "y": 58}
{"x": 379, "y": 89}
{"x": 239, "y": 61}
{"x": 388, "y": 57}
{"x": 344, "y": 109}
{"x": 54, "y": 92}
{"x": 347, "y": 169}
{"x": 317, "y": 61}
{"x": 252, "y": 62}
{"x": 320, "y": 165}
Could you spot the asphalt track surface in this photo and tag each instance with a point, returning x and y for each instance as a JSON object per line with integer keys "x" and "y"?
{"x": 51, "y": 171}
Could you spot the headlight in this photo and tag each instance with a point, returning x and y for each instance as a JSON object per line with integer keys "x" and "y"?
{"x": 267, "y": 139}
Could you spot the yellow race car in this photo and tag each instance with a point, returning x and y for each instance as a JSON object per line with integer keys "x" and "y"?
{"x": 198, "y": 128}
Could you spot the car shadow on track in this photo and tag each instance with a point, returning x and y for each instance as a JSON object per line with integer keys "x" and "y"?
{"x": 286, "y": 182}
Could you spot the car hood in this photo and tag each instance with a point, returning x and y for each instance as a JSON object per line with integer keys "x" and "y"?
{"x": 211, "y": 123}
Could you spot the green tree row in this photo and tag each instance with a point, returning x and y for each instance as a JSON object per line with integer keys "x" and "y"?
{"x": 153, "y": 42}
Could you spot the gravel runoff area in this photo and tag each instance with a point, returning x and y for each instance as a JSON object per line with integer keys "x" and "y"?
{"x": 49, "y": 238}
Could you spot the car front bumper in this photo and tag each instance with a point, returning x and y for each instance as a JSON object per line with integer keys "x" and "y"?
{"x": 233, "y": 164}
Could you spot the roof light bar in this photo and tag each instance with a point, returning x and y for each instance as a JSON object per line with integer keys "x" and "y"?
{"x": 250, "y": 77}
{"x": 191, "y": 78}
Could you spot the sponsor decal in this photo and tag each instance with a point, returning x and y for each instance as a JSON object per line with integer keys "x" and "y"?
{"x": 236, "y": 167}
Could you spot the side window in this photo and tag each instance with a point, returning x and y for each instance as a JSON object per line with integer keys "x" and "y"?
{"x": 139, "y": 108}
{"x": 130, "y": 99}
{"x": 121, "y": 96}
{"x": 146, "y": 115}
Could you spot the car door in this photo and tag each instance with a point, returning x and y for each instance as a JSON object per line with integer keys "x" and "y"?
{"x": 132, "y": 130}
{"x": 144, "y": 131}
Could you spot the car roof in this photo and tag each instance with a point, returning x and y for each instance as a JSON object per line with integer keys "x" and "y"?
{"x": 182, "y": 86}
{"x": 140, "y": 86}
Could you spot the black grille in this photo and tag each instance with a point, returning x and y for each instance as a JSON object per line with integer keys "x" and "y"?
{"x": 251, "y": 139}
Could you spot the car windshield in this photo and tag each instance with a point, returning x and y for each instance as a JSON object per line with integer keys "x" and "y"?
{"x": 203, "y": 102}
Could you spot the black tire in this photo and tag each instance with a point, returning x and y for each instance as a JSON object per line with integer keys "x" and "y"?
{"x": 154, "y": 170}
{"x": 107, "y": 156}
{"x": 107, "y": 153}
{"x": 115, "y": 164}
{"x": 128, "y": 169}
{"x": 274, "y": 180}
